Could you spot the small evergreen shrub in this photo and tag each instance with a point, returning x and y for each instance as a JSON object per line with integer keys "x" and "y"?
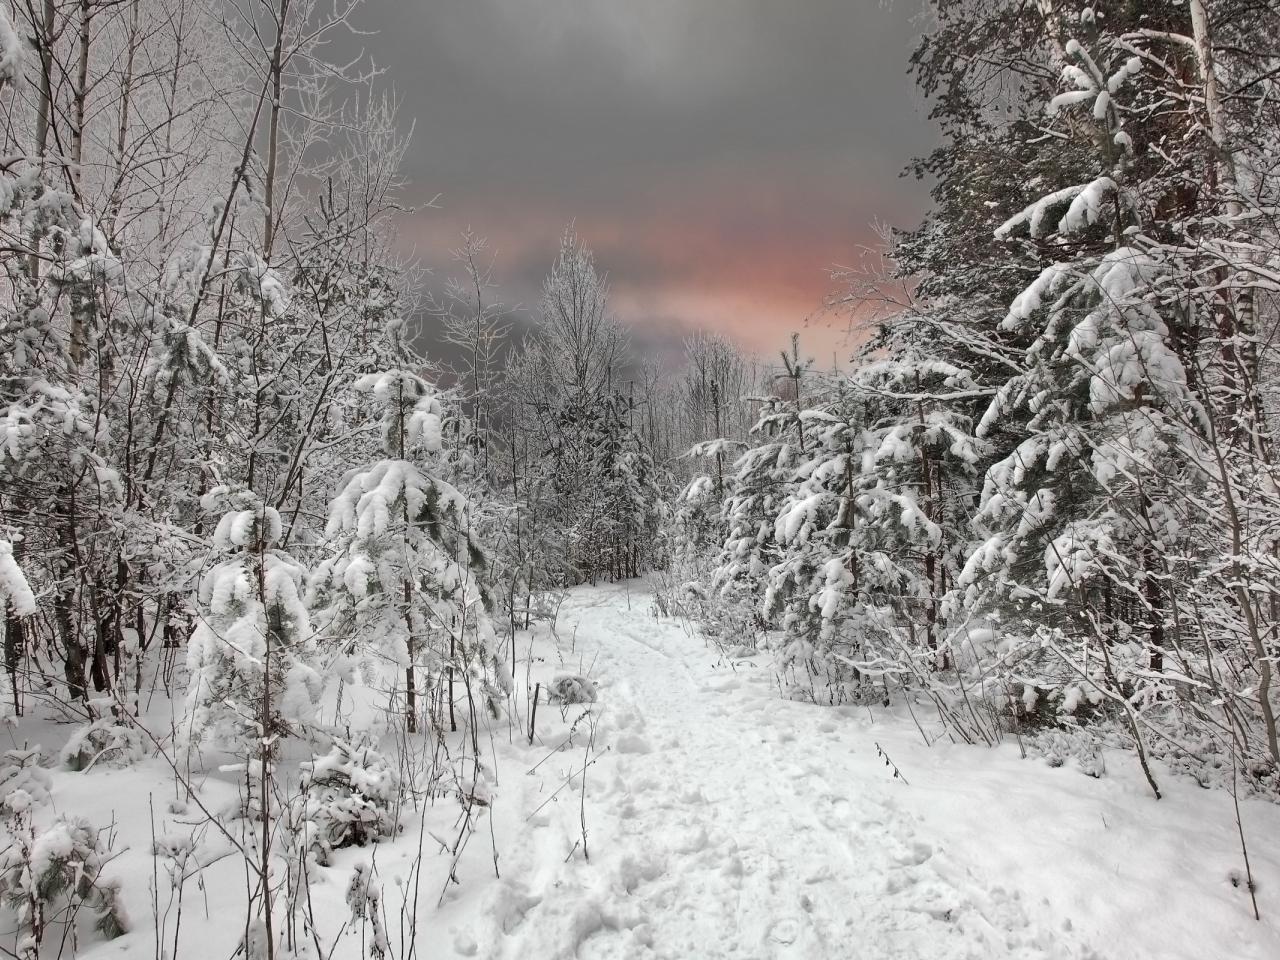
{"x": 55, "y": 873}
{"x": 350, "y": 799}
{"x": 1060, "y": 747}
{"x": 104, "y": 742}
{"x": 570, "y": 688}
{"x": 22, "y": 770}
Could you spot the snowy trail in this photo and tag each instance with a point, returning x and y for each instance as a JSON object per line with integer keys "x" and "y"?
{"x": 724, "y": 822}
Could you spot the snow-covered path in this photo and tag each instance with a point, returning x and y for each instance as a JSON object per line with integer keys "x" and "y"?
{"x": 724, "y": 822}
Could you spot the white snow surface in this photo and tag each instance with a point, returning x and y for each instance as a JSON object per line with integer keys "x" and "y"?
{"x": 725, "y": 822}
{"x": 753, "y": 827}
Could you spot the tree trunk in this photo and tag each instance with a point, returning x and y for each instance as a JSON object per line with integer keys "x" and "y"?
{"x": 14, "y": 646}
{"x": 73, "y": 652}
{"x": 1236, "y": 321}
{"x": 276, "y": 69}
{"x": 44, "y": 109}
{"x": 116, "y": 201}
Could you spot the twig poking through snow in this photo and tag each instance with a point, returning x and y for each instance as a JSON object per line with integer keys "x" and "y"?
{"x": 897, "y": 774}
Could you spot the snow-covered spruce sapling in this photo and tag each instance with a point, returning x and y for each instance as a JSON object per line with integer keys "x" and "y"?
{"x": 106, "y": 742}
{"x": 698, "y": 519}
{"x": 251, "y": 680}
{"x": 403, "y": 582}
{"x": 22, "y": 771}
{"x": 250, "y": 657}
{"x": 364, "y": 897}
{"x": 868, "y": 526}
{"x": 760, "y": 476}
{"x": 47, "y": 876}
{"x": 350, "y": 797}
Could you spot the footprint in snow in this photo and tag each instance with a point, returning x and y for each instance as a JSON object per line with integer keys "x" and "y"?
{"x": 636, "y": 870}
{"x": 643, "y": 785}
{"x": 694, "y": 796}
{"x": 633, "y": 743}
{"x": 833, "y": 813}
{"x": 691, "y": 841}
{"x": 791, "y": 939}
{"x": 464, "y": 944}
{"x": 733, "y": 868}
{"x": 817, "y": 784}
{"x": 785, "y": 931}
{"x": 915, "y": 855}
{"x": 509, "y": 903}
{"x": 720, "y": 684}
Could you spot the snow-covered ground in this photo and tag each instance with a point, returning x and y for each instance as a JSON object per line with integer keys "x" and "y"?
{"x": 722, "y": 821}
{"x": 727, "y": 822}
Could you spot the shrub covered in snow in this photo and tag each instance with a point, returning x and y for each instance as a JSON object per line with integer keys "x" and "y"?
{"x": 14, "y": 589}
{"x": 1068, "y": 745}
{"x": 350, "y": 798}
{"x": 10, "y": 51}
{"x": 15, "y": 592}
{"x": 104, "y": 742}
{"x": 405, "y": 580}
{"x": 544, "y": 605}
{"x": 23, "y": 770}
{"x": 50, "y": 875}
{"x": 364, "y": 897}
{"x": 570, "y": 688}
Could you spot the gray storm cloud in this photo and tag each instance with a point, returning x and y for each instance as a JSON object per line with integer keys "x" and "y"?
{"x": 689, "y": 139}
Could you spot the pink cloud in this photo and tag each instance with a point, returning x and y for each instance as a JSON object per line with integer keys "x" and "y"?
{"x": 744, "y": 253}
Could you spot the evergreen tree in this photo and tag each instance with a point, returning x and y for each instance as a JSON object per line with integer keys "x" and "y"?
{"x": 251, "y": 659}
{"x": 405, "y": 580}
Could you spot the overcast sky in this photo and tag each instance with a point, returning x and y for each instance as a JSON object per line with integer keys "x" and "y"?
{"x": 720, "y": 156}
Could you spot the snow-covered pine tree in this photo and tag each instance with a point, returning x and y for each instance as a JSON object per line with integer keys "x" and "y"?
{"x": 626, "y": 480}
{"x": 1121, "y": 377}
{"x": 476, "y": 324}
{"x": 350, "y": 797}
{"x": 589, "y": 489}
{"x": 404, "y": 579}
{"x": 713, "y": 418}
{"x": 1074, "y": 510}
{"x": 697, "y": 517}
{"x": 754, "y": 494}
{"x": 873, "y": 518}
{"x": 51, "y": 873}
{"x": 251, "y": 659}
